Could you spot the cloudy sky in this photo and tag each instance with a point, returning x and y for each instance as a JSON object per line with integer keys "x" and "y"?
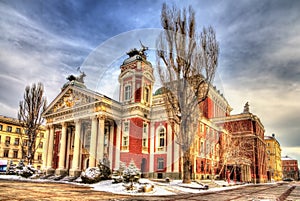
{"x": 45, "y": 41}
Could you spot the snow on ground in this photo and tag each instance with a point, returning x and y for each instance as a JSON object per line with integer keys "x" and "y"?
{"x": 160, "y": 188}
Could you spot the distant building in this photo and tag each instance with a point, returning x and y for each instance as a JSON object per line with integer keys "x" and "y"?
{"x": 290, "y": 168}
{"x": 11, "y": 140}
{"x": 274, "y": 165}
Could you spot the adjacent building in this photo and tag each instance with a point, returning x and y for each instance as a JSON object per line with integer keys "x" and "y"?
{"x": 245, "y": 154}
{"x": 11, "y": 142}
{"x": 84, "y": 126}
{"x": 274, "y": 165}
{"x": 290, "y": 168}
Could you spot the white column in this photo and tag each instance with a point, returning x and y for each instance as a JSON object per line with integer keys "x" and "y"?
{"x": 50, "y": 148}
{"x": 69, "y": 135}
{"x": 169, "y": 149}
{"x": 111, "y": 144}
{"x": 152, "y": 138}
{"x": 75, "y": 162}
{"x": 46, "y": 145}
{"x": 100, "y": 143}
{"x": 62, "y": 150}
{"x": 93, "y": 143}
{"x": 117, "y": 162}
{"x": 176, "y": 155}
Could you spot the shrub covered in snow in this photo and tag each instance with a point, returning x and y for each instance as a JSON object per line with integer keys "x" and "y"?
{"x": 91, "y": 175}
{"x": 126, "y": 174}
{"x": 117, "y": 174}
{"x": 96, "y": 174}
{"x": 23, "y": 170}
{"x": 131, "y": 173}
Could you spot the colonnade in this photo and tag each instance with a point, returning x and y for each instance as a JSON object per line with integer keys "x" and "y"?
{"x": 71, "y": 144}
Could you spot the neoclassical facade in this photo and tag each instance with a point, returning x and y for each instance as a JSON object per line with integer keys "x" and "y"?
{"x": 84, "y": 126}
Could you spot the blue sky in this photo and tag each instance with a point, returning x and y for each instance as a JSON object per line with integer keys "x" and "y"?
{"x": 259, "y": 51}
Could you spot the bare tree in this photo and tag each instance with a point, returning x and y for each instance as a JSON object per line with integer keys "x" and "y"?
{"x": 186, "y": 66}
{"x": 29, "y": 115}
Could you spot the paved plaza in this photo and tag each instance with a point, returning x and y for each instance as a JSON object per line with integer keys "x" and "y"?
{"x": 24, "y": 190}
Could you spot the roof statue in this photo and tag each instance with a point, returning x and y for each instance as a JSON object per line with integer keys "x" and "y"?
{"x": 246, "y": 108}
{"x": 75, "y": 80}
{"x": 78, "y": 78}
{"x": 140, "y": 52}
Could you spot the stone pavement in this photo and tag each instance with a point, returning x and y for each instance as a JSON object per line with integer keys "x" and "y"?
{"x": 295, "y": 194}
{"x": 28, "y": 191}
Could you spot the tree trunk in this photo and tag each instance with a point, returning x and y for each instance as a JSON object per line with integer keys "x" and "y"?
{"x": 186, "y": 167}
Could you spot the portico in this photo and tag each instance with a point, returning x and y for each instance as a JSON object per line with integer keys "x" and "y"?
{"x": 80, "y": 131}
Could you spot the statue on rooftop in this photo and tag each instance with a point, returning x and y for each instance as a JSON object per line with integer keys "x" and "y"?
{"x": 246, "y": 108}
{"x": 140, "y": 52}
{"x": 77, "y": 78}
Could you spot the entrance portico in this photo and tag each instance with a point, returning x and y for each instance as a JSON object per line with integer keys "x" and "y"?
{"x": 80, "y": 131}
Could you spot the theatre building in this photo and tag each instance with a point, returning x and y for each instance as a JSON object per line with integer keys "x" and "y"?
{"x": 85, "y": 127}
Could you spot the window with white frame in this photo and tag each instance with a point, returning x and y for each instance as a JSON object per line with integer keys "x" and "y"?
{"x": 146, "y": 95}
{"x": 127, "y": 93}
{"x": 161, "y": 139}
{"x": 160, "y": 163}
{"x": 145, "y": 136}
{"x": 125, "y": 137}
{"x": 201, "y": 148}
{"x": 126, "y": 126}
{"x": 201, "y": 128}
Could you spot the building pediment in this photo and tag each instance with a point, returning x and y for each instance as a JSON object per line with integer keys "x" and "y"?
{"x": 70, "y": 98}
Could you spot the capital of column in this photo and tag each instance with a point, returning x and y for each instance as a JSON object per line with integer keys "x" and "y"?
{"x": 64, "y": 124}
{"x": 77, "y": 121}
{"x": 49, "y": 126}
{"x": 101, "y": 117}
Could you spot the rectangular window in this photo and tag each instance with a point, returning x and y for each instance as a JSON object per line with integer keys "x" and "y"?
{"x": 127, "y": 94}
{"x": 18, "y": 130}
{"x": 15, "y": 154}
{"x": 160, "y": 163}
{"x": 5, "y": 153}
{"x": 147, "y": 95}
{"x": 145, "y": 128}
{"x": 125, "y": 141}
{"x": 41, "y": 145}
{"x": 7, "y": 140}
{"x": 17, "y": 141}
{"x": 126, "y": 127}
{"x": 24, "y": 142}
{"x": 145, "y": 144}
{"x": 162, "y": 137}
{"x": 40, "y": 157}
{"x": 1, "y": 127}
{"x": 9, "y": 129}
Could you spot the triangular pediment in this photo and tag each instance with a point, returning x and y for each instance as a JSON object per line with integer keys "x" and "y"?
{"x": 70, "y": 98}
